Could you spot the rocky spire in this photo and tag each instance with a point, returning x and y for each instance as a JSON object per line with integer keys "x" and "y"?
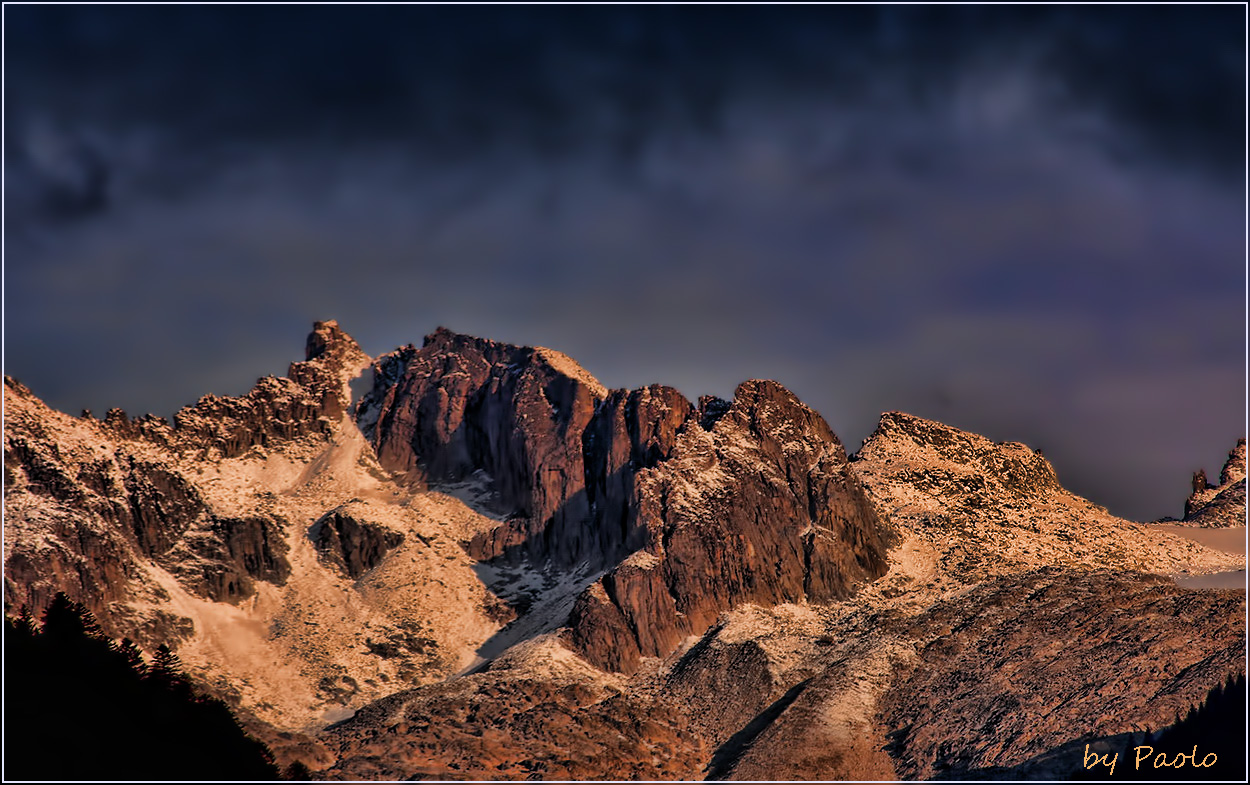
{"x": 332, "y": 358}
{"x": 312, "y": 398}
{"x": 1223, "y": 504}
{"x": 1235, "y": 467}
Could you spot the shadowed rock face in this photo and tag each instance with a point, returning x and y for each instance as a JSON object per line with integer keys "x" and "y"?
{"x": 352, "y": 545}
{"x": 465, "y": 404}
{"x": 743, "y": 501}
{"x": 632, "y": 430}
{"x": 762, "y": 508}
{"x": 385, "y": 373}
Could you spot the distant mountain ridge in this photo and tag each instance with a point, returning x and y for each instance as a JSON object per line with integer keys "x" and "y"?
{"x": 487, "y": 523}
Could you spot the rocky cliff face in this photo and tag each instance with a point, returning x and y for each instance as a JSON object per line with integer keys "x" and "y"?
{"x": 86, "y": 512}
{"x": 464, "y": 405}
{"x": 760, "y": 507}
{"x": 120, "y": 495}
{"x": 1224, "y": 504}
{"x": 748, "y": 501}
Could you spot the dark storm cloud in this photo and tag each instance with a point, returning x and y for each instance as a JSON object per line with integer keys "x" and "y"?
{"x": 1015, "y": 220}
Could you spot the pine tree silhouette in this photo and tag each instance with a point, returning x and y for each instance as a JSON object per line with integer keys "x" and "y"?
{"x": 79, "y": 706}
{"x": 133, "y": 656}
{"x": 297, "y": 772}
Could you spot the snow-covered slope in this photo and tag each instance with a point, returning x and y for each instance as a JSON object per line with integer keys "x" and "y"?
{"x": 202, "y": 535}
{"x": 979, "y": 509}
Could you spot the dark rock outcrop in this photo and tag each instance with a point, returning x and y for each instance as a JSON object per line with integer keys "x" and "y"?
{"x": 231, "y": 555}
{"x": 352, "y": 545}
{"x": 762, "y": 508}
{"x": 162, "y": 506}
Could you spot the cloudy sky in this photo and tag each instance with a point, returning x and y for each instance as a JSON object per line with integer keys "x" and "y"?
{"x": 1025, "y": 222}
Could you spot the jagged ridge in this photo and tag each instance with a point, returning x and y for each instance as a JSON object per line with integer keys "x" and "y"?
{"x": 743, "y": 501}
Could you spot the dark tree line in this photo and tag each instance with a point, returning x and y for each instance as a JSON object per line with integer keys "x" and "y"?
{"x": 80, "y": 706}
{"x": 1216, "y": 727}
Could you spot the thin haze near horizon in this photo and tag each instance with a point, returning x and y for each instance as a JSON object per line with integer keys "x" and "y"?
{"x": 1024, "y": 222}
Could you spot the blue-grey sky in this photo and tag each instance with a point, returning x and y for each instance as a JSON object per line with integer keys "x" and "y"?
{"x": 1025, "y": 222}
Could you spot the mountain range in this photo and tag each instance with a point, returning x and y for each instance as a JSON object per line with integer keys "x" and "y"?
{"x": 471, "y": 560}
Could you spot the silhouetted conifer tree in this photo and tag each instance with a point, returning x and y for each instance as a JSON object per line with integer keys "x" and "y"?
{"x": 133, "y": 656}
{"x": 297, "y": 772}
{"x": 79, "y": 706}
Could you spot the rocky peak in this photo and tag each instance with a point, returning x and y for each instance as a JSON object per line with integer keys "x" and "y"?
{"x": 1003, "y": 470}
{"x": 326, "y": 337}
{"x": 1235, "y": 466}
{"x": 332, "y": 360}
{"x": 760, "y": 508}
{"x": 311, "y": 399}
{"x": 692, "y": 511}
{"x": 1224, "y": 504}
{"x": 15, "y": 387}
{"x": 464, "y": 405}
